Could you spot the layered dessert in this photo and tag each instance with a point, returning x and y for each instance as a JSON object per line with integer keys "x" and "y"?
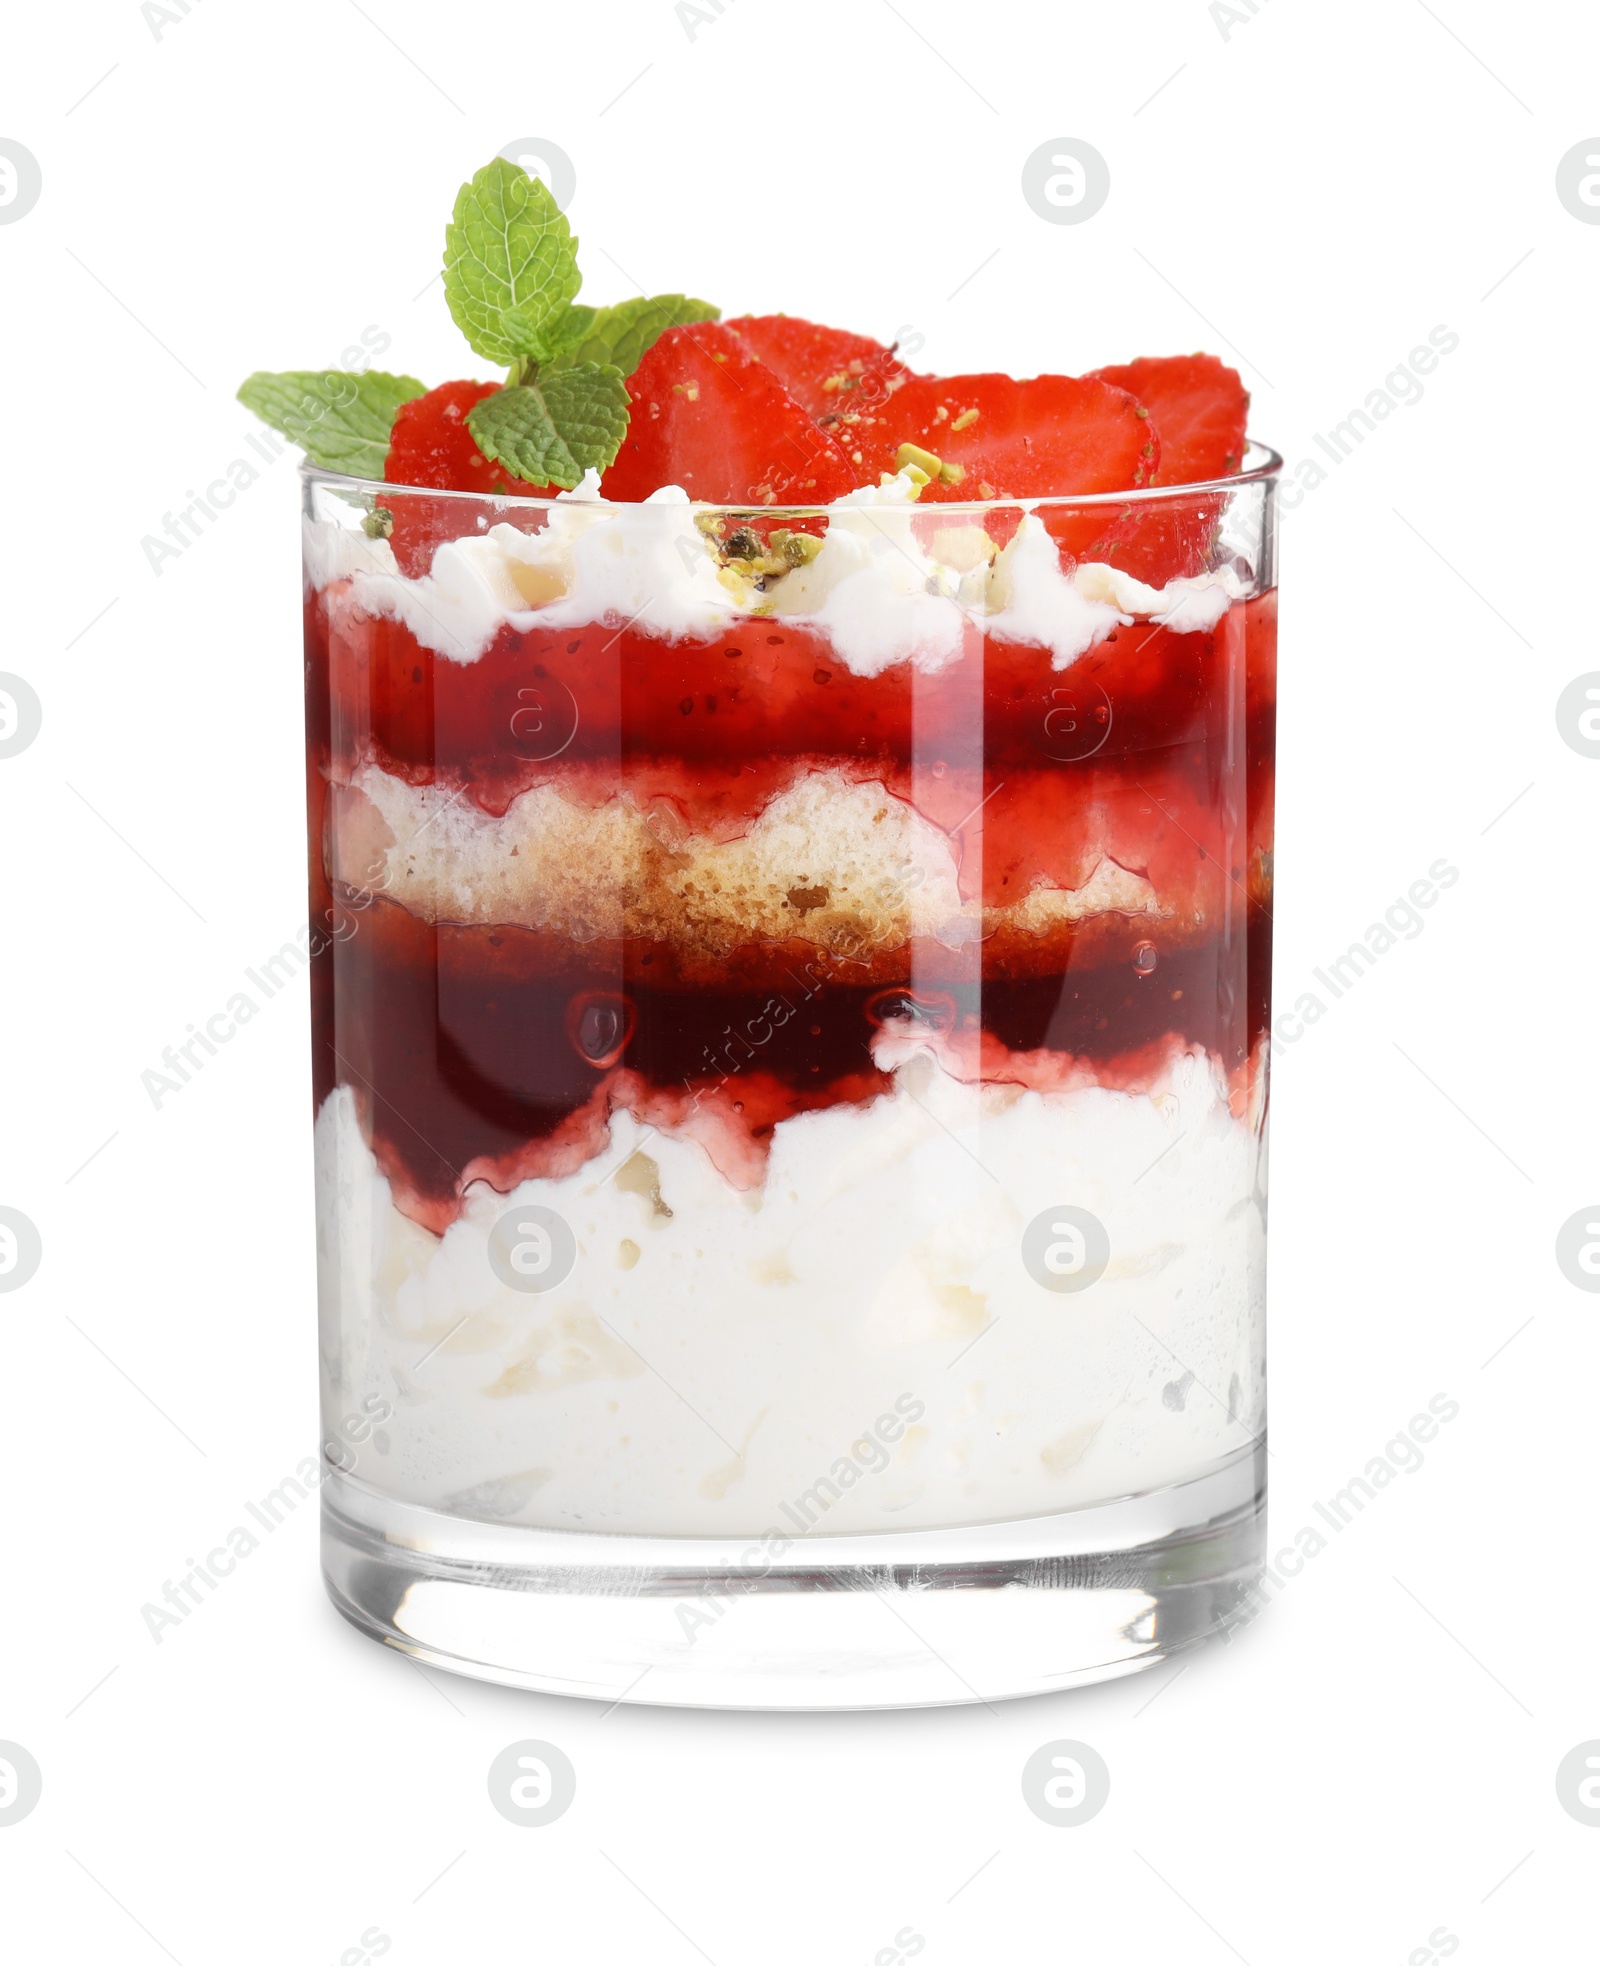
{"x": 789, "y": 828}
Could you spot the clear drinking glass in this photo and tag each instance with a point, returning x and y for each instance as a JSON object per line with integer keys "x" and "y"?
{"x": 790, "y": 1022}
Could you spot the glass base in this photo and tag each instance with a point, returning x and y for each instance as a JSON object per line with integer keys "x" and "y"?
{"x": 932, "y": 1617}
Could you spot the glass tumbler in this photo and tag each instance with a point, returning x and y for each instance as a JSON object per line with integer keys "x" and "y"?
{"x": 790, "y": 1030}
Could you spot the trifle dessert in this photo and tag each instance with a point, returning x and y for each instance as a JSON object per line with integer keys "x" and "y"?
{"x": 791, "y": 869}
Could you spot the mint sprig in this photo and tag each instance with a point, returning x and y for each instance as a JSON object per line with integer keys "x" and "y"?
{"x": 341, "y": 419}
{"x": 551, "y": 339}
{"x": 511, "y": 281}
{"x": 552, "y": 429}
{"x": 508, "y": 252}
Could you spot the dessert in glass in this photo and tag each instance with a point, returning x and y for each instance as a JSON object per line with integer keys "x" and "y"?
{"x": 790, "y": 1031}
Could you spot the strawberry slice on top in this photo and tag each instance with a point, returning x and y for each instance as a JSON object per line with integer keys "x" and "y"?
{"x": 431, "y": 445}
{"x": 1198, "y": 404}
{"x": 705, "y": 414}
{"x": 1048, "y": 436}
{"x": 824, "y": 369}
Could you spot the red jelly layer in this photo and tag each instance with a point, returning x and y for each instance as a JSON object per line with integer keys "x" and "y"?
{"x": 770, "y": 690}
{"x": 490, "y": 1050}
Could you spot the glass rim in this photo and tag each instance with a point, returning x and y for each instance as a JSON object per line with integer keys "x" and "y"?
{"x": 1261, "y": 465}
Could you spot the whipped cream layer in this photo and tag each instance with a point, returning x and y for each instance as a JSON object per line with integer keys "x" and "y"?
{"x": 892, "y": 582}
{"x": 719, "y": 1362}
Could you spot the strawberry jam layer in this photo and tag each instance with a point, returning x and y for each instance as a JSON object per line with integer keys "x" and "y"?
{"x": 498, "y": 1053}
{"x": 776, "y": 690}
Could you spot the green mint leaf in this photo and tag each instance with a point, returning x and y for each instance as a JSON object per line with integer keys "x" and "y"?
{"x": 510, "y": 260}
{"x": 548, "y": 341}
{"x": 550, "y": 431}
{"x": 623, "y": 335}
{"x": 341, "y": 420}
{"x": 590, "y": 406}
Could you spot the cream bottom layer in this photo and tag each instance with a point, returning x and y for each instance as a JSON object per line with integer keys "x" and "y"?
{"x": 857, "y": 1343}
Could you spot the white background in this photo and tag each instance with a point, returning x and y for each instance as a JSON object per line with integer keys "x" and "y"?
{"x": 1308, "y": 193}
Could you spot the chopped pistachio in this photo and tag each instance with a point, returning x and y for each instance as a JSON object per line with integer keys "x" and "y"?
{"x": 941, "y": 414}
{"x": 916, "y": 474}
{"x": 965, "y": 420}
{"x": 924, "y": 460}
{"x": 742, "y": 544}
{"x": 952, "y": 474}
{"x": 378, "y": 523}
{"x": 799, "y": 549}
{"x": 708, "y": 523}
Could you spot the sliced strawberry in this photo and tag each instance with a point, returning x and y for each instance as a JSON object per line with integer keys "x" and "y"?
{"x": 824, "y": 369}
{"x": 1054, "y": 435}
{"x": 1199, "y": 407}
{"x": 431, "y": 445}
{"x": 706, "y": 415}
